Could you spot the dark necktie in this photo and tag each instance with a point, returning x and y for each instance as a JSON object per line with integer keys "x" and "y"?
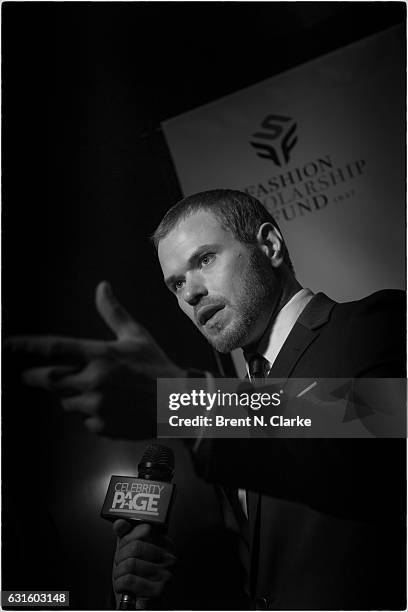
{"x": 257, "y": 367}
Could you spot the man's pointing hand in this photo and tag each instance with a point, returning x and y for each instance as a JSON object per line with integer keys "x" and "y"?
{"x": 112, "y": 384}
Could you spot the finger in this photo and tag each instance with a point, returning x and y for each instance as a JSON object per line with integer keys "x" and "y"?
{"x": 96, "y": 425}
{"x": 114, "y": 314}
{"x": 56, "y": 349}
{"x": 143, "y": 531}
{"x": 81, "y": 380}
{"x": 50, "y": 378}
{"x": 122, "y": 527}
{"x": 139, "y": 567}
{"x": 143, "y": 550}
{"x": 139, "y": 531}
{"x": 68, "y": 380}
{"x": 141, "y": 587}
{"x": 164, "y": 542}
{"x": 87, "y": 404}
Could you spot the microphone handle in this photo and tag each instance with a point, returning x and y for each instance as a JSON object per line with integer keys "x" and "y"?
{"x": 129, "y": 602}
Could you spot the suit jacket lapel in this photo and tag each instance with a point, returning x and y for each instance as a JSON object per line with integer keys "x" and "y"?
{"x": 305, "y": 330}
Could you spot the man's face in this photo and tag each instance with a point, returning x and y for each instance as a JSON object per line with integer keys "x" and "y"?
{"x": 227, "y": 288}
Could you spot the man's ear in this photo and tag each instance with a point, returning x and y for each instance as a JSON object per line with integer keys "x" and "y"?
{"x": 270, "y": 241}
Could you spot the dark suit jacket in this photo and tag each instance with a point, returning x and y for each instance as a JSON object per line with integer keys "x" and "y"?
{"x": 326, "y": 517}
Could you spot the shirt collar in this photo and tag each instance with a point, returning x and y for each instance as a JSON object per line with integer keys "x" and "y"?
{"x": 280, "y": 327}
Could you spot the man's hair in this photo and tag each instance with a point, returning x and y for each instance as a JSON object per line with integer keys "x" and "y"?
{"x": 237, "y": 211}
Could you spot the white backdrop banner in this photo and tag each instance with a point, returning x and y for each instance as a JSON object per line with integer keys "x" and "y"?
{"x": 323, "y": 147}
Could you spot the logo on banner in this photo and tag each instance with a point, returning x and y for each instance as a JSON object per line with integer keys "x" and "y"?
{"x": 276, "y": 140}
{"x": 297, "y": 191}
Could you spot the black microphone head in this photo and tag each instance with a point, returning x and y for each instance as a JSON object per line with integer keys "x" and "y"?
{"x": 157, "y": 463}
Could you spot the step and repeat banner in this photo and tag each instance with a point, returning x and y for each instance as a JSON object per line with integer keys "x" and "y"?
{"x": 323, "y": 147}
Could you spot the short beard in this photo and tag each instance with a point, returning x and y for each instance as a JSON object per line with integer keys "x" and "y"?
{"x": 258, "y": 289}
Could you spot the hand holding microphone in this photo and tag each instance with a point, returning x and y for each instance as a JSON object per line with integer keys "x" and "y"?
{"x": 142, "y": 564}
{"x": 142, "y": 559}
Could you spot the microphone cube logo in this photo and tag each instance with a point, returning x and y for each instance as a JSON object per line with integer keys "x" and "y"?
{"x": 138, "y": 499}
{"x": 145, "y": 503}
{"x": 276, "y": 139}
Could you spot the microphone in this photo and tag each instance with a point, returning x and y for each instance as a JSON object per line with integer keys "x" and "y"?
{"x": 145, "y": 499}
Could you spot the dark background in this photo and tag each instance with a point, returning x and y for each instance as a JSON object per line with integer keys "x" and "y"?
{"x": 86, "y": 178}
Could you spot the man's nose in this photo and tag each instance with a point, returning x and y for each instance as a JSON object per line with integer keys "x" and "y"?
{"x": 194, "y": 290}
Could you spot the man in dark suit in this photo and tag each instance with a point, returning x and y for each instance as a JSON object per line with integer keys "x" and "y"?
{"x": 326, "y": 517}
{"x": 320, "y": 522}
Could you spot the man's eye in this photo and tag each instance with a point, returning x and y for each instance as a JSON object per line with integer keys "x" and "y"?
{"x": 207, "y": 259}
{"x": 178, "y": 285}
